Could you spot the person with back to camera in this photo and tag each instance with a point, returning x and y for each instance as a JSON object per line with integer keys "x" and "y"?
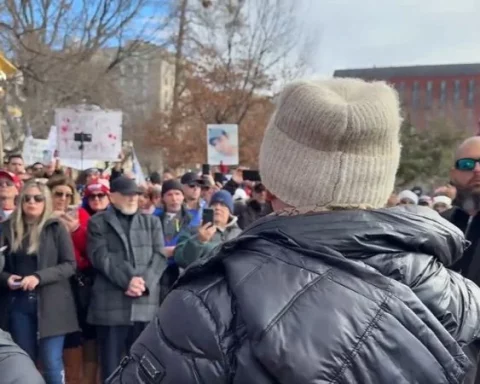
{"x": 332, "y": 287}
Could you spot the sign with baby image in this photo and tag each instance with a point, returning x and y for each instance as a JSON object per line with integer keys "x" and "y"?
{"x": 88, "y": 134}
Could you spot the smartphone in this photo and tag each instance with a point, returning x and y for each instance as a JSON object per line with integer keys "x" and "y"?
{"x": 206, "y": 169}
{"x": 17, "y": 282}
{"x": 250, "y": 175}
{"x": 207, "y": 216}
{"x": 72, "y": 210}
{"x": 218, "y": 177}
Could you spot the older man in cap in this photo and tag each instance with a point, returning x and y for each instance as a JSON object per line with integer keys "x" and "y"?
{"x": 126, "y": 248}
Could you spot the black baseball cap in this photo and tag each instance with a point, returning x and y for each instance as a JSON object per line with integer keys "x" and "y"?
{"x": 124, "y": 186}
{"x": 191, "y": 178}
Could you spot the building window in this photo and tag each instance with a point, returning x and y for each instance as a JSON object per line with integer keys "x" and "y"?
{"x": 456, "y": 91}
{"x": 429, "y": 94}
{"x": 471, "y": 93}
{"x": 443, "y": 92}
{"x": 415, "y": 94}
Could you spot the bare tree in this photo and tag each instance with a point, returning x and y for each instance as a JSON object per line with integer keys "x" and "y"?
{"x": 235, "y": 55}
{"x": 239, "y": 49}
{"x": 68, "y": 51}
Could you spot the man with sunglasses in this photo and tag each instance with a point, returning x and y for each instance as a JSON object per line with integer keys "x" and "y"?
{"x": 10, "y": 185}
{"x": 465, "y": 176}
{"x": 192, "y": 184}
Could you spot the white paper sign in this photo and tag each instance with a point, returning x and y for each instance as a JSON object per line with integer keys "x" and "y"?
{"x": 78, "y": 164}
{"x": 36, "y": 151}
{"x": 101, "y": 131}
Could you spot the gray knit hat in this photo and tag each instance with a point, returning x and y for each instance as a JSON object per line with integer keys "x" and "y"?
{"x": 333, "y": 142}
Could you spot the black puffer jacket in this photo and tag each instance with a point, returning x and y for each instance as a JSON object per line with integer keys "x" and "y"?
{"x": 15, "y": 365}
{"x": 320, "y": 298}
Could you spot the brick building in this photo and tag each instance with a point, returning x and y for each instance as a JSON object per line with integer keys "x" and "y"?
{"x": 432, "y": 92}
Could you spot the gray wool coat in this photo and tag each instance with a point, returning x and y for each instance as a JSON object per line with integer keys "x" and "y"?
{"x": 57, "y": 314}
{"x": 110, "y": 254}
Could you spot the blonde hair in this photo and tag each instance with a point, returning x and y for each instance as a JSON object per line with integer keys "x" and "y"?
{"x": 18, "y": 224}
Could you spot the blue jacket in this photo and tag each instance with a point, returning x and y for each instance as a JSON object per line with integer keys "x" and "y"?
{"x": 185, "y": 224}
{"x": 197, "y": 214}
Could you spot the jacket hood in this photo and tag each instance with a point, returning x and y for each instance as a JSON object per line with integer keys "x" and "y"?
{"x": 362, "y": 233}
{"x": 232, "y": 222}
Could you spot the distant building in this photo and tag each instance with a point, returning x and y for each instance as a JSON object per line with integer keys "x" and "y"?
{"x": 146, "y": 80}
{"x": 432, "y": 92}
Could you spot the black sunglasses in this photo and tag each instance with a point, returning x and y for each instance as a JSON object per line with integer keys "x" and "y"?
{"x": 98, "y": 196}
{"x": 35, "y": 198}
{"x": 63, "y": 194}
{"x": 6, "y": 183}
{"x": 466, "y": 164}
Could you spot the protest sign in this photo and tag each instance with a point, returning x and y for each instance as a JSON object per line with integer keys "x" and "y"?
{"x": 88, "y": 135}
{"x": 222, "y": 144}
{"x": 36, "y": 151}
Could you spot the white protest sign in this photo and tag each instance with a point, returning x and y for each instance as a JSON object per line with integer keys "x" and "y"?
{"x": 78, "y": 164}
{"x": 36, "y": 151}
{"x": 101, "y": 132}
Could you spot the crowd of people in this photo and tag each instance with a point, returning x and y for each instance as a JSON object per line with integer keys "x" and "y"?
{"x": 79, "y": 286}
{"x": 318, "y": 273}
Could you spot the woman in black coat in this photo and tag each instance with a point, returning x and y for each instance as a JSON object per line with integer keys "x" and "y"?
{"x": 38, "y": 260}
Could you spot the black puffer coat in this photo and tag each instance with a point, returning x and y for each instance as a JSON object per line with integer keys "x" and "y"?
{"x": 337, "y": 297}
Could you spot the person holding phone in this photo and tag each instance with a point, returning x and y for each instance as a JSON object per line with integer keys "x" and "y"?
{"x": 218, "y": 225}
{"x": 38, "y": 262}
{"x": 79, "y": 355}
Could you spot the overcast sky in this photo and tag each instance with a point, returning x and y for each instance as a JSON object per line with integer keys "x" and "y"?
{"x": 366, "y": 33}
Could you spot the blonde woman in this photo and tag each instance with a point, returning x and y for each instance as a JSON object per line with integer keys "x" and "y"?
{"x": 38, "y": 261}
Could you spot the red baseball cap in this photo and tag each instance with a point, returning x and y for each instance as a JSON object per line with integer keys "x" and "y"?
{"x": 97, "y": 185}
{"x": 4, "y": 174}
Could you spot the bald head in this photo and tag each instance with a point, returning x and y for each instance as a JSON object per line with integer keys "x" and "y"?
{"x": 470, "y": 145}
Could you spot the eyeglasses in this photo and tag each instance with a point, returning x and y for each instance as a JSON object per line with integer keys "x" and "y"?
{"x": 63, "y": 194}
{"x": 37, "y": 168}
{"x": 194, "y": 185}
{"x": 466, "y": 164}
{"x": 98, "y": 196}
{"x": 34, "y": 198}
{"x": 6, "y": 183}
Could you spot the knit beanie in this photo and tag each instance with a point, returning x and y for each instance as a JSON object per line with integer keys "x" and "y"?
{"x": 223, "y": 197}
{"x": 408, "y": 195}
{"x": 170, "y": 185}
{"x": 332, "y": 143}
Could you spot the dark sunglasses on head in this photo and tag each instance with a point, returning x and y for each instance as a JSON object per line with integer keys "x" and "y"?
{"x": 63, "y": 194}
{"x": 6, "y": 183}
{"x": 35, "y": 198}
{"x": 98, "y": 196}
{"x": 466, "y": 164}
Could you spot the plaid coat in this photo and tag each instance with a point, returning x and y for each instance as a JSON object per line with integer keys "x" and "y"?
{"x": 109, "y": 252}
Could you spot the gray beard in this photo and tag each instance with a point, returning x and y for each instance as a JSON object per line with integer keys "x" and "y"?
{"x": 467, "y": 200}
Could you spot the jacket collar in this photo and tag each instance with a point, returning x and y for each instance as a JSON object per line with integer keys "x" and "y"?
{"x": 112, "y": 220}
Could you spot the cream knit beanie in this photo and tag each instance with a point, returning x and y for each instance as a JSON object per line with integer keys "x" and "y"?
{"x": 333, "y": 142}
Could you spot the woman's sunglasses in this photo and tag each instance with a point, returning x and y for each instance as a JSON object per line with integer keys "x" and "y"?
{"x": 98, "y": 196}
{"x": 63, "y": 194}
{"x": 466, "y": 164}
{"x": 34, "y": 198}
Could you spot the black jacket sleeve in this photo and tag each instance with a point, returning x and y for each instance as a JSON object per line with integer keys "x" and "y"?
{"x": 451, "y": 298}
